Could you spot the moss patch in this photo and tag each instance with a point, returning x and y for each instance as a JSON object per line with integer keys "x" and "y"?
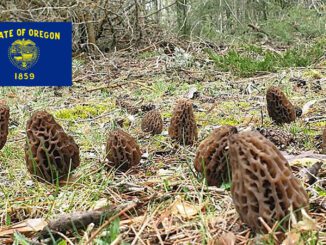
{"x": 80, "y": 112}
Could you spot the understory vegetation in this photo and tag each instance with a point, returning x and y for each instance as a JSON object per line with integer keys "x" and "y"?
{"x": 252, "y": 60}
{"x": 220, "y": 55}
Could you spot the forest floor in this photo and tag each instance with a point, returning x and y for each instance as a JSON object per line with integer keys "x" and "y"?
{"x": 169, "y": 203}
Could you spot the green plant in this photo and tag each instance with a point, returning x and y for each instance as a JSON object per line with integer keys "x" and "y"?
{"x": 253, "y": 59}
{"x": 111, "y": 233}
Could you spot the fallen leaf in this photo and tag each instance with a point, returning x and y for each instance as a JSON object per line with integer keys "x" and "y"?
{"x": 306, "y": 161}
{"x": 307, "y": 154}
{"x": 184, "y": 209}
{"x": 101, "y": 203}
{"x": 306, "y": 224}
{"x": 306, "y": 107}
{"x": 29, "y": 225}
{"x": 312, "y": 172}
{"x": 193, "y": 93}
{"x": 226, "y": 239}
{"x": 165, "y": 172}
{"x": 292, "y": 238}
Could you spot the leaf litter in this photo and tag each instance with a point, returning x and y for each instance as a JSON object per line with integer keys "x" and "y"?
{"x": 172, "y": 205}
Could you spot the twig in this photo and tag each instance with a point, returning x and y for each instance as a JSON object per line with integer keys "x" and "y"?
{"x": 140, "y": 231}
{"x": 106, "y": 223}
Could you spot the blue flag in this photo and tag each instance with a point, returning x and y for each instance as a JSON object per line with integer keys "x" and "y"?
{"x": 35, "y": 54}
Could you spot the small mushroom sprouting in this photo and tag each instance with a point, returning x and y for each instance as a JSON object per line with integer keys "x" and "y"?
{"x": 4, "y": 122}
{"x": 152, "y": 122}
{"x": 183, "y": 126}
{"x": 212, "y": 157}
{"x": 263, "y": 185}
{"x": 279, "y": 108}
{"x": 50, "y": 153}
{"x": 122, "y": 150}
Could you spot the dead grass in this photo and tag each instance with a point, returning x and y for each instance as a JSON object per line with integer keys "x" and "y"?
{"x": 165, "y": 179}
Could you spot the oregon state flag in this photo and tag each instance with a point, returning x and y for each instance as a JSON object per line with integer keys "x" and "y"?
{"x": 35, "y": 54}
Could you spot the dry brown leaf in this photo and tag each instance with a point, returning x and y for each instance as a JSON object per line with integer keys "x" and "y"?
{"x": 29, "y": 225}
{"x": 306, "y": 161}
{"x": 306, "y": 154}
{"x": 306, "y": 224}
{"x": 226, "y": 239}
{"x": 306, "y": 107}
{"x": 101, "y": 203}
{"x": 184, "y": 209}
{"x": 292, "y": 238}
{"x": 135, "y": 220}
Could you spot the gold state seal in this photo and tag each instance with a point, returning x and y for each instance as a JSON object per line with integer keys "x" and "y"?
{"x": 23, "y": 53}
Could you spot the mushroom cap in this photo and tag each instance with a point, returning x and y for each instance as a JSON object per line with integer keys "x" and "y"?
{"x": 212, "y": 157}
{"x": 152, "y": 122}
{"x": 122, "y": 150}
{"x": 262, "y": 181}
{"x": 4, "y": 124}
{"x": 183, "y": 126}
{"x": 279, "y": 108}
{"x": 50, "y": 153}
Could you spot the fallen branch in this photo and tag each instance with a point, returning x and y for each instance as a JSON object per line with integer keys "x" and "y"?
{"x": 81, "y": 220}
{"x": 106, "y": 223}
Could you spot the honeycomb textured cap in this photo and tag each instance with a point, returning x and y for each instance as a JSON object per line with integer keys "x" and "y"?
{"x": 324, "y": 142}
{"x": 212, "y": 158}
{"x": 279, "y": 107}
{"x": 152, "y": 122}
{"x": 262, "y": 181}
{"x": 183, "y": 126}
{"x": 122, "y": 150}
{"x": 50, "y": 153}
{"x": 4, "y": 122}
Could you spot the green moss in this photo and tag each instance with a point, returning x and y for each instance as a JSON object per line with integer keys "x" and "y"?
{"x": 321, "y": 192}
{"x": 313, "y": 74}
{"x": 166, "y": 114}
{"x": 80, "y": 112}
{"x": 319, "y": 124}
{"x": 244, "y": 104}
{"x": 228, "y": 121}
{"x": 227, "y": 105}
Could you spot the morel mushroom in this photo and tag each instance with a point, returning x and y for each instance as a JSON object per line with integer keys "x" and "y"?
{"x": 152, "y": 122}
{"x": 323, "y": 146}
{"x": 262, "y": 181}
{"x": 4, "y": 122}
{"x": 183, "y": 126}
{"x": 122, "y": 150}
{"x": 50, "y": 153}
{"x": 212, "y": 158}
{"x": 279, "y": 107}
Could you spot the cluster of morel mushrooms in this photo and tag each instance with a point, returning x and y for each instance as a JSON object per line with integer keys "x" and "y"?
{"x": 263, "y": 185}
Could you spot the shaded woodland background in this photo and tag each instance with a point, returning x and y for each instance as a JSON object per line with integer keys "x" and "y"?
{"x": 132, "y": 55}
{"x": 107, "y": 25}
